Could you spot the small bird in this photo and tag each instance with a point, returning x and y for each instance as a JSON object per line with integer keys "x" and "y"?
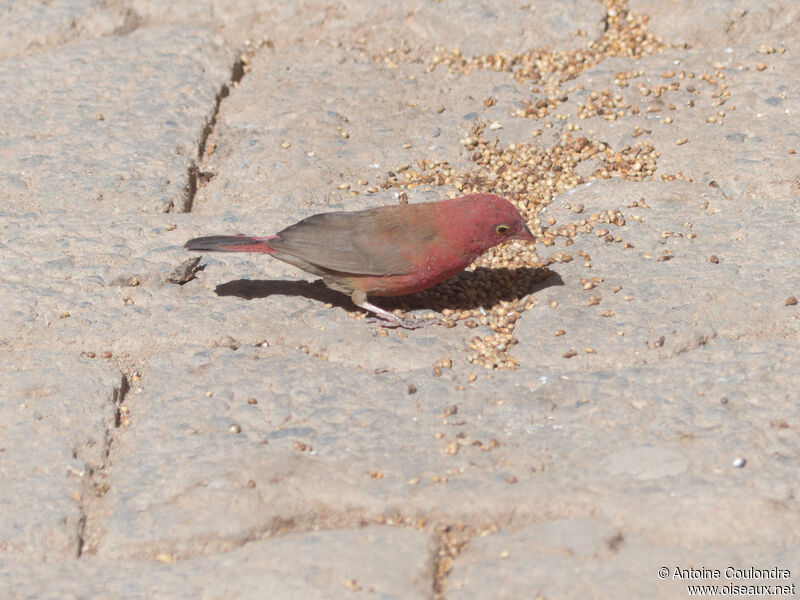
{"x": 389, "y": 250}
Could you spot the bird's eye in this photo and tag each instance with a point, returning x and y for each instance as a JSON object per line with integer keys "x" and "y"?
{"x": 502, "y": 229}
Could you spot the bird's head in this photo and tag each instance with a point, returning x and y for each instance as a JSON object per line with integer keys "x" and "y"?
{"x": 491, "y": 220}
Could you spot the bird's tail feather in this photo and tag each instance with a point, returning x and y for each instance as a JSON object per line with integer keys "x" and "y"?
{"x": 229, "y": 243}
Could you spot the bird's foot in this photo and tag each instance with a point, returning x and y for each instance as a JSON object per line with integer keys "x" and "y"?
{"x": 390, "y": 320}
{"x": 395, "y": 322}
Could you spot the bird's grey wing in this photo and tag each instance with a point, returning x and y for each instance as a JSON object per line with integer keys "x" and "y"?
{"x": 366, "y": 242}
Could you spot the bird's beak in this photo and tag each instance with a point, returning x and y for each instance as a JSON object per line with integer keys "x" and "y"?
{"x": 526, "y": 234}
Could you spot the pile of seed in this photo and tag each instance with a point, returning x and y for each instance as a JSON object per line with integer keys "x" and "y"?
{"x": 626, "y": 35}
{"x": 496, "y": 289}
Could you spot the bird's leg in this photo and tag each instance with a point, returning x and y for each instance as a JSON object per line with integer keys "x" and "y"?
{"x": 384, "y": 317}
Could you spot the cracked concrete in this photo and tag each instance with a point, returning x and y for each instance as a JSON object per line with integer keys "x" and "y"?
{"x": 246, "y": 434}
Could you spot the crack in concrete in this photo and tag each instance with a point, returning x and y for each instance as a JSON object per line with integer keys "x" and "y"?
{"x": 194, "y": 173}
{"x": 452, "y": 540}
{"x": 94, "y": 484}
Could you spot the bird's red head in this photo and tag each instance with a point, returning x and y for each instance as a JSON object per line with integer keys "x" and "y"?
{"x": 487, "y": 220}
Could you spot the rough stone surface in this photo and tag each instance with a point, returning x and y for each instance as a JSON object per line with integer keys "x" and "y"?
{"x": 654, "y": 315}
{"x": 114, "y": 121}
{"x": 475, "y": 28}
{"x": 249, "y": 433}
{"x": 56, "y": 411}
{"x": 715, "y": 24}
{"x": 589, "y": 558}
{"x": 376, "y": 562}
{"x": 32, "y": 26}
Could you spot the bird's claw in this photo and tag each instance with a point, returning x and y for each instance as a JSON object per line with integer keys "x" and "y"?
{"x": 403, "y": 323}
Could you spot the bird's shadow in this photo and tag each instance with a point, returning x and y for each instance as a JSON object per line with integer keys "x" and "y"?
{"x": 482, "y": 287}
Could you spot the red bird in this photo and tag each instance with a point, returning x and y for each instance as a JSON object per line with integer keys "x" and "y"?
{"x": 387, "y": 251}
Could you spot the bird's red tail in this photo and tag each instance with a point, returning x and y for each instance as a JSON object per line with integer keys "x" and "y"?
{"x": 229, "y": 243}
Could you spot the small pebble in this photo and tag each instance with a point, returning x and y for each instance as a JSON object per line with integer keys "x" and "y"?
{"x": 739, "y": 462}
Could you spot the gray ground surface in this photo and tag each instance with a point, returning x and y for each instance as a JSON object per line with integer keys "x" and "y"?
{"x": 248, "y": 435}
